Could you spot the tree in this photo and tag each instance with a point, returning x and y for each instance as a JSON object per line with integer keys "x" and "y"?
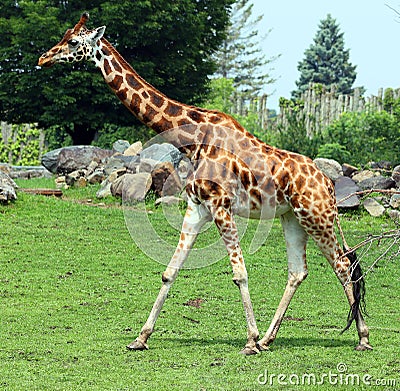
{"x": 168, "y": 43}
{"x": 326, "y": 61}
{"x": 240, "y": 57}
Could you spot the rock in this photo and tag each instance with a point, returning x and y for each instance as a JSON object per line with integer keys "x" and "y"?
{"x": 61, "y": 182}
{"x": 50, "y": 159}
{"x": 81, "y": 182}
{"x": 396, "y": 175}
{"x": 7, "y": 188}
{"x": 105, "y": 189}
{"x": 166, "y": 181}
{"x": 344, "y": 186}
{"x": 135, "y": 186}
{"x": 147, "y": 165}
{"x": 394, "y": 214}
{"x": 378, "y": 182}
{"x": 92, "y": 167}
{"x": 120, "y": 161}
{"x": 73, "y": 176}
{"x": 395, "y": 201}
{"x": 116, "y": 186}
{"x": 331, "y": 168}
{"x": 116, "y": 174}
{"x": 363, "y": 175}
{"x": 162, "y": 153}
{"x": 120, "y": 146}
{"x": 373, "y": 207}
{"x": 77, "y": 157}
{"x": 134, "y": 149}
{"x": 97, "y": 176}
{"x": 348, "y": 169}
{"x": 29, "y": 172}
{"x": 168, "y": 200}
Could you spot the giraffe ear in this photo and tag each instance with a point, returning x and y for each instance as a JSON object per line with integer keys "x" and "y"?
{"x": 97, "y": 34}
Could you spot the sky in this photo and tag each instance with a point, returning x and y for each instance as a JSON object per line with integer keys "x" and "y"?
{"x": 371, "y": 33}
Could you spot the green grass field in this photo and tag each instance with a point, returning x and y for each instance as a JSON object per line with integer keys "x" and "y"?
{"x": 75, "y": 289}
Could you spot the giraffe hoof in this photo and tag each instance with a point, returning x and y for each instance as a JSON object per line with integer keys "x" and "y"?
{"x": 362, "y": 347}
{"x": 249, "y": 351}
{"x": 137, "y": 345}
{"x": 262, "y": 347}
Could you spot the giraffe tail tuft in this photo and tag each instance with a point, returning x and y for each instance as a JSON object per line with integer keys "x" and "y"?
{"x": 358, "y": 289}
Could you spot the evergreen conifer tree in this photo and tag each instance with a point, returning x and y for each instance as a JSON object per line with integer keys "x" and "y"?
{"x": 240, "y": 57}
{"x": 326, "y": 61}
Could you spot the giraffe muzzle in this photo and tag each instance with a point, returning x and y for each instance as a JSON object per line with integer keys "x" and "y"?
{"x": 45, "y": 61}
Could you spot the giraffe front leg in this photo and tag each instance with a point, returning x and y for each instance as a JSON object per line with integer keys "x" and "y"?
{"x": 196, "y": 216}
{"x": 228, "y": 230}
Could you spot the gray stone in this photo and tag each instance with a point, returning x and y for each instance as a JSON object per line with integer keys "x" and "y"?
{"x": 162, "y": 153}
{"x": 331, "y": 168}
{"x": 134, "y": 149}
{"x": 396, "y": 175}
{"x": 5, "y": 167}
{"x": 394, "y": 214}
{"x": 362, "y": 175}
{"x": 395, "y": 201}
{"x": 105, "y": 190}
{"x": 166, "y": 181}
{"x": 97, "y": 176}
{"x": 135, "y": 186}
{"x": 348, "y": 169}
{"x": 7, "y": 188}
{"x": 373, "y": 207}
{"x": 120, "y": 146}
{"x": 147, "y": 165}
{"x": 344, "y": 187}
{"x": 74, "y": 158}
{"x": 377, "y": 182}
{"x": 168, "y": 200}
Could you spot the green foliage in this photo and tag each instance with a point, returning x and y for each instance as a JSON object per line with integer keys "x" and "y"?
{"x": 326, "y": 61}
{"x": 334, "y": 151}
{"x": 367, "y": 136}
{"x": 149, "y": 34}
{"x": 22, "y": 148}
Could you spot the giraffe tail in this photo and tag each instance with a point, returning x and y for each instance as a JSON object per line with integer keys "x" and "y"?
{"x": 357, "y": 280}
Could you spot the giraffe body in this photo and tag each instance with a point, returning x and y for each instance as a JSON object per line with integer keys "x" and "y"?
{"x": 233, "y": 173}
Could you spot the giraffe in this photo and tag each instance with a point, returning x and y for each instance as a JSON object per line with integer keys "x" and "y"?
{"x": 234, "y": 173}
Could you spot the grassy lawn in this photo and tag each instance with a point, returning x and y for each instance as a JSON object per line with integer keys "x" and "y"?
{"x": 75, "y": 289}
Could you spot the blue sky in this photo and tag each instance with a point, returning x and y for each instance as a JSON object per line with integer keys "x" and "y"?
{"x": 371, "y": 32}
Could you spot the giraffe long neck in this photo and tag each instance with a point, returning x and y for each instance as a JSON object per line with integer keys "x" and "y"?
{"x": 148, "y": 104}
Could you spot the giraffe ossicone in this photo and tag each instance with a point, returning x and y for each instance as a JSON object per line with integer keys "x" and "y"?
{"x": 233, "y": 173}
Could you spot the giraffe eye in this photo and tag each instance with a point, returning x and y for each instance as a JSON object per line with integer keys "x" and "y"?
{"x": 73, "y": 42}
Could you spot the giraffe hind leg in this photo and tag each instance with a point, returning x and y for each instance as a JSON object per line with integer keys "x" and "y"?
{"x": 349, "y": 273}
{"x": 296, "y": 240}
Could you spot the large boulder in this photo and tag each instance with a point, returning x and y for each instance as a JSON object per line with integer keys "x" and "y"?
{"x": 68, "y": 159}
{"x": 377, "y": 182}
{"x": 331, "y": 168}
{"x": 162, "y": 153}
{"x": 134, "y": 187}
{"x": 166, "y": 181}
{"x": 345, "y": 188}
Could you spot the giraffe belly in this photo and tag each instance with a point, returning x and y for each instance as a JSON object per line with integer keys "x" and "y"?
{"x": 265, "y": 211}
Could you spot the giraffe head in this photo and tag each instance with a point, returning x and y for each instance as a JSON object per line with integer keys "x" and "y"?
{"x": 78, "y": 44}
